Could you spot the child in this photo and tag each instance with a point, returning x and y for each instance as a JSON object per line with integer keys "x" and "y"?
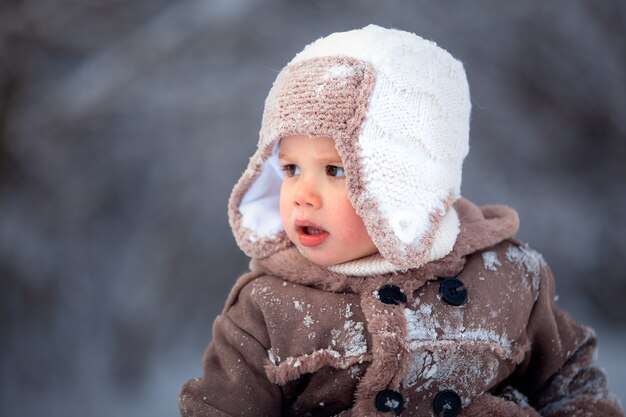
{"x": 375, "y": 290}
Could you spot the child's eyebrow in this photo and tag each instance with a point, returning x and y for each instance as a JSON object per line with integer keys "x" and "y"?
{"x": 331, "y": 160}
{"x": 323, "y": 159}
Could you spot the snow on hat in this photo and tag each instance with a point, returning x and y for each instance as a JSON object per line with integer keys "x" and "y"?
{"x": 398, "y": 109}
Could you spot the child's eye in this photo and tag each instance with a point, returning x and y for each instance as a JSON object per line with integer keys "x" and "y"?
{"x": 334, "y": 171}
{"x": 291, "y": 170}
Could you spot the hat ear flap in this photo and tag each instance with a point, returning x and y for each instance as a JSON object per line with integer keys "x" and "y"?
{"x": 259, "y": 206}
{"x": 254, "y": 206}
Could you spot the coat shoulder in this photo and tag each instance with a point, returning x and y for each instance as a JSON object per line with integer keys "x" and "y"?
{"x": 251, "y": 285}
{"x": 504, "y": 282}
{"x": 511, "y": 263}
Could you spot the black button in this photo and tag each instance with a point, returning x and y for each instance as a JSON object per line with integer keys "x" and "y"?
{"x": 390, "y": 294}
{"x": 388, "y": 400}
{"x": 452, "y": 291}
{"x": 447, "y": 404}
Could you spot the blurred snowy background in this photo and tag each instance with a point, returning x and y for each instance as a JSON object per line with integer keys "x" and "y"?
{"x": 124, "y": 125}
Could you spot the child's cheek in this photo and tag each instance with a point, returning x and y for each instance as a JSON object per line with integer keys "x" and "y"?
{"x": 349, "y": 224}
{"x": 284, "y": 207}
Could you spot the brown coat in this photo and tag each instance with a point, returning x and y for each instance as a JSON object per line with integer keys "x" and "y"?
{"x": 297, "y": 340}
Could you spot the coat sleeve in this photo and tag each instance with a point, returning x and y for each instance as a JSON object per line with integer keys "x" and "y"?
{"x": 234, "y": 381}
{"x": 578, "y": 388}
{"x": 558, "y": 377}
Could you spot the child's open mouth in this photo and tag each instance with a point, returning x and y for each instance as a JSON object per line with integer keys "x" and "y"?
{"x": 310, "y": 235}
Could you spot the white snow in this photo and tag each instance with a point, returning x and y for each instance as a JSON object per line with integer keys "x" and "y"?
{"x": 355, "y": 372}
{"x": 274, "y": 359}
{"x": 440, "y": 351}
{"x": 452, "y": 365}
{"x": 529, "y": 259}
{"x": 491, "y": 261}
{"x": 355, "y": 343}
{"x": 348, "y": 312}
{"x": 420, "y": 323}
{"x": 339, "y": 71}
{"x": 393, "y": 404}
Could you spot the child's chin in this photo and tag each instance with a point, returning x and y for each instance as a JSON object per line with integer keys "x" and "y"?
{"x": 320, "y": 258}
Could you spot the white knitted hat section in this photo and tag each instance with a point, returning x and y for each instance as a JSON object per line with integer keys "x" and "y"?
{"x": 413, "y": 138}
{"x": 416, "y": 129}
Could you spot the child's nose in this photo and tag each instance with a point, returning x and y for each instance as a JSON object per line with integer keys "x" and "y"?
{"x": 307, "y": 194}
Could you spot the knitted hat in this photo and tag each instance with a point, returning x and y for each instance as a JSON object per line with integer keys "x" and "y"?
{"x": 398, "y": 109}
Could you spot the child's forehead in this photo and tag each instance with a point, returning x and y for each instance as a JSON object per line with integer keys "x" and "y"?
{"x": 323, "y": 145}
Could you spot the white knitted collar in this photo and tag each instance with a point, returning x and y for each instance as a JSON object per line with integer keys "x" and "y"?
{"x": 370, "y": 265}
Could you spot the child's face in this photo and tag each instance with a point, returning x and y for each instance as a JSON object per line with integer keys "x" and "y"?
{"x": 314, "y": 206}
